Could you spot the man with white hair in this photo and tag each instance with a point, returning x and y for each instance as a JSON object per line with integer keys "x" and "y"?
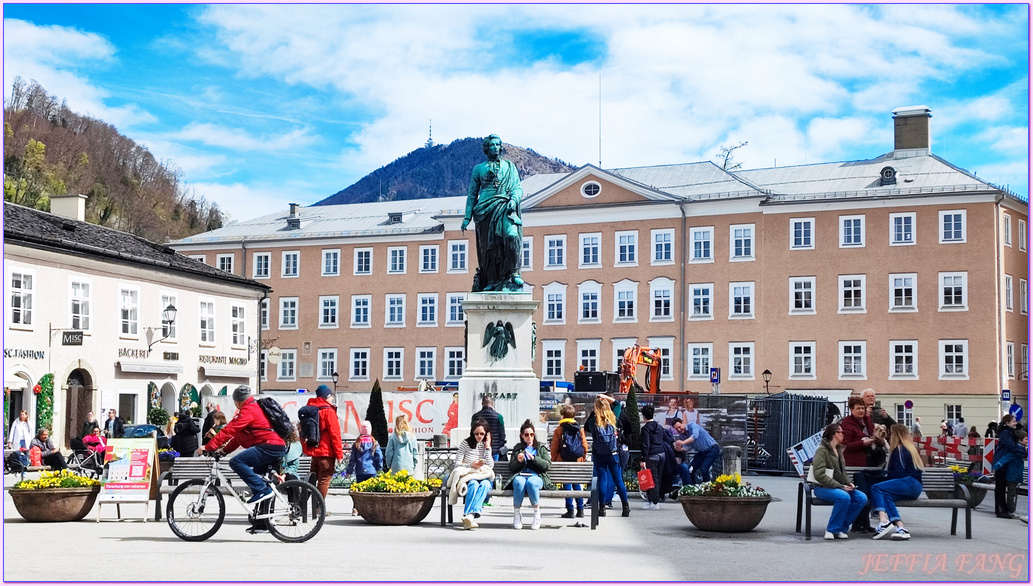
{"x": 879, "y": 416}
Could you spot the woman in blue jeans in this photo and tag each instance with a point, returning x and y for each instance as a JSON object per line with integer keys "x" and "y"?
{"x": 833, "y": 485}
{"x": 904, "y": 471}
{"x": 474, "y": 456}
{"x": 529, "y": 466}
{"x": 606, "y": 460}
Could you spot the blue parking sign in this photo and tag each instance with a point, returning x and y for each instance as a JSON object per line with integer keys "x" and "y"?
{"x": 1006, "y": 395}
{"x": 715, "y": 375}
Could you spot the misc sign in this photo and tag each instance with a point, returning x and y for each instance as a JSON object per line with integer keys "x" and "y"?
{"x": 133, "y": 353}
{"x": 72, "y": 338}
{"x": 209, "y": 359}
{"x": 25, "y": 354}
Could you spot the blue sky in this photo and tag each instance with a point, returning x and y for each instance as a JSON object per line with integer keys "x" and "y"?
{"x": 261, "y": 105}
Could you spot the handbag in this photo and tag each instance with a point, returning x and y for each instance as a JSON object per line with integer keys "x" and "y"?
{"x": 645, "y": 479}
{"x": 810, "y": 474}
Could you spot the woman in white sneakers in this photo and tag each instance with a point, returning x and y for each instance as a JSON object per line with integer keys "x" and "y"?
{"x": 473, "y": 471}
{"x": 529, "y": 464}
{"x": 904, "y": 471}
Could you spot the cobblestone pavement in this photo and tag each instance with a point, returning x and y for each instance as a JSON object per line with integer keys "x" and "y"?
{"x": 648, "y": 546}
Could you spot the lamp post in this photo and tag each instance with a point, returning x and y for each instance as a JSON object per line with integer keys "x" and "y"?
{"x": 168, "y": 317}
{"x": 336, "y": 377}
{"x": 767, "y": 379}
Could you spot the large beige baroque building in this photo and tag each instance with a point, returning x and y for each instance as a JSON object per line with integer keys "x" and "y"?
{"x": 903, "y": 273}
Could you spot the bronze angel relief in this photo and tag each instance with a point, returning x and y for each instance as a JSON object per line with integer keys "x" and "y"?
{"x": 498, "y": 338}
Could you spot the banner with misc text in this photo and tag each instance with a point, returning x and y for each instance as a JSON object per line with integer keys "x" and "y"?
{"x": 129, "y": 466}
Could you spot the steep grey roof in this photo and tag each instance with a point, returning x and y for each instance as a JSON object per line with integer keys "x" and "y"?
{"x": 693, "y": 181}
{"x": 38, "y": 229}
{"x": 356, "y": 219}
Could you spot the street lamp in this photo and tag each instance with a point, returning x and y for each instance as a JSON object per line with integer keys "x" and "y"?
{"x": 336, "y": 378}
{"x": 767, "y": 379}
{"x": 168, "y": 317}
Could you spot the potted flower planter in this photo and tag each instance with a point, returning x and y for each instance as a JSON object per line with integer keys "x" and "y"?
{"x": 52, "y": 505}
{"x": 386, "y": 508}
{"x": 728, "y": 514}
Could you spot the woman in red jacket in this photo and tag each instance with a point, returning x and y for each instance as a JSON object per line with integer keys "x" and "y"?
{"x": 858, "y": 439}
{"x": 329, "y": 451}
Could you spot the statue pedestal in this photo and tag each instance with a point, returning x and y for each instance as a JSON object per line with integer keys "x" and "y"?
{"x": 511, "y": 381}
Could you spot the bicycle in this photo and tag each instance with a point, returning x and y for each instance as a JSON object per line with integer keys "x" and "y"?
{"x": 294, "y": 514}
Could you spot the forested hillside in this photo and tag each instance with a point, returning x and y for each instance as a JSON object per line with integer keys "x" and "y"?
{"x": 50, "y": 150}
{"x": 437, "y": 171}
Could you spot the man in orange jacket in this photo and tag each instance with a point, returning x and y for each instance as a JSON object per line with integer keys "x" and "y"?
{"x": 329, "y": 451}
{"x": 250, "y": 429}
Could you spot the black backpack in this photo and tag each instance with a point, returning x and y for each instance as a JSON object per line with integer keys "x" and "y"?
{"x": 605, "y": 440}
{"x": 308, "y": 424}
{"x": 571, "y": 448}
{"x": 278, "y": 420}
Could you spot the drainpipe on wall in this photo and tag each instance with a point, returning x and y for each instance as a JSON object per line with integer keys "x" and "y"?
{"x": 681, "y": 309}
{"x": 258, "y": 350}
{"x": 1002, "y": 376}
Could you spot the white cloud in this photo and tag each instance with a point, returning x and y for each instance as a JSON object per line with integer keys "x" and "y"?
{"x": 242, "y": 201}
{"x": 242, "y": 140}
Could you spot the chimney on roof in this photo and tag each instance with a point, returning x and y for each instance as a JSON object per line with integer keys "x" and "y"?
{"x": 294, "y": 219}
{"x": 911, "y": 127}
{"x": 72, "y": 206}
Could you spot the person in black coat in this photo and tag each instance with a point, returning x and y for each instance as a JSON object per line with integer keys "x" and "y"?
{"x": 185, "y": 439}
{"x": 654, "y": 438}
{"x": 209, "y": 420}
{"x": 496, "y": 426}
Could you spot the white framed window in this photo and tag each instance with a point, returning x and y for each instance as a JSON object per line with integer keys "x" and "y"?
{"x": 363, "y": 263}
{"x": 290, "y": 260}
{"x": 224, "y": 262}
{"x": 1024, "y": 365}
{"x": 286, "y": 371}
{"x": 905, "y": 415}
{"x": 952, "y": 226}
{"x": 552, "y": 353}
{"x": 619, "y": 346}
{"x": 851, "y": 231}
{"x": 1008, "y": 304}
{"x": 702, "y": 300}
{"x": 199, "y": 257}
{"x": 853, "y": 360}
{"x": 904, "y": 359}
{"x": 263, "y": 365}
{"x": 665, "y": 344}
{"x": 953, "y": 291}
{"x": 903, "y": 293}
{"x": 237, "y": 326}
{"x": 801, "y": 360}
{"x": 260, "y": 265}
{"x": 394, "y": 315}
{"x": 589, "y": 246}
{"x": 663, "y": 246}
{"x": 588, "y": 354}
{"x": 741, "y": 242}
{"x": 1023, "y": 297}
{"x": 393, "y": 363}
{"x": 740, "y": 360}
{"x": 555, "y": 252}
{"x": 428, "y": 311}
{"x": 328, "y": 307}
{"x": 902, "y": 229}
{"x": 263, "y": 314}
{"x": 425, "y": 360}
{"x": 1022, "y": 235}
{"x": 527, "y": 253}
{"x": 801, "y": 234}
{"x": 589, "y": 293}
{"x": 458, "y": 251}
{"x": 590, "y": 189}
{"x": 129, "y": 311}
{"x": 429, "y": 259}
{"x": 701, "y": 356}
{"x": 1009, "y": 359}
{"x": 331, "y": 262}
{"x": 702, "y": 244}
{"x": 852, "y": 294}
{"x": 81, "y": 295}
{"x": 455, "y": 358}
{"x": 206, "y": 312}
{"x": 626, "y": 248}
{"x": 1006, "y": 229}
{"x": 661, "y": 297}
{"x": 327, "y": 363}
{"x": 953, "y": 359}
{"x": 360, "y": 311}
{"x": 801, "y": 295}
{"x": 396, "y": 260}
{"x": 456, "y": 316}
{"x": 555, "y": 300}
{"x": 359, "y": 364}
{"x": 625, "y": 297}
{"x": 167, "y": 330}
{"x": 288, "y": 313}
{"x": 740, "y": 300}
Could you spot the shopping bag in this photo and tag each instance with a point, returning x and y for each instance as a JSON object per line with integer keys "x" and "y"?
{"x": 645, "y": 479}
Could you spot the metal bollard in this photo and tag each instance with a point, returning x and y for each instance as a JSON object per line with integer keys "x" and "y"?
{"x": 731, "y": 460}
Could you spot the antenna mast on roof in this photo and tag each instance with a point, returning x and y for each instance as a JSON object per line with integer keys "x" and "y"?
{"x": 600, "y": 119}
{"x": 430, "y": 138}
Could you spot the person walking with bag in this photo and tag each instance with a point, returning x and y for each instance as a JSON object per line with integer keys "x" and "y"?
{"x": 329, "y": 450}
{"x": 835, "y": 487}
{"x": 529, "y": 467}
{"x": 654, "y": 438}
{"x": 569, "y": 445}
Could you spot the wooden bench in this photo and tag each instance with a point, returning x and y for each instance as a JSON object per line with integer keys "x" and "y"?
{"x": 933, "y": 480}
{"x": 560, "y": 473}
{"x": 26, "y": 468}
{"x": 198, "y": 468}
{"x": 992, "y": 486}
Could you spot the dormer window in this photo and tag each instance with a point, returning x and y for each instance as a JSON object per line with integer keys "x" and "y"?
{"x": 394, "y": 218}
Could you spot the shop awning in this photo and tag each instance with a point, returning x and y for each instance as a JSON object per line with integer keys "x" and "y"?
{"x": 228, "y": 372}
{"x": 149, "y": 368}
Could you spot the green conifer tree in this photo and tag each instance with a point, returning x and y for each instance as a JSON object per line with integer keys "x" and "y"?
{"x": 631, "y": 406}
{"x": 376, "y": 415}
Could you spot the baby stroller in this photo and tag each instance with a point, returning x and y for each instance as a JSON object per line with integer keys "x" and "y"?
{"x": 84, "y": 460}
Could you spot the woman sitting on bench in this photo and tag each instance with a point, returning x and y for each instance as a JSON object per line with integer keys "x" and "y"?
{"x": 94, "y": 441}
{"x": 905, "y": 482}
{"x": 474, "y": 466}
{"x": 529, "y": 468}
{"x": 51, "y": 456}
{"x": 829, "y": 472}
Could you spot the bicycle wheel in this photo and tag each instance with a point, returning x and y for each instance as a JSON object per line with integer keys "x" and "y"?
{"x": 193, "y": 515}
{"x": 301, "y": 518}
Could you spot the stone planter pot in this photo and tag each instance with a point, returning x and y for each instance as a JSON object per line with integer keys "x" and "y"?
{"x": 386, "y": 508}
{"x": 725, "y": 514}
{"x": 978, "y": 494}
{"x": 51, "y": 505}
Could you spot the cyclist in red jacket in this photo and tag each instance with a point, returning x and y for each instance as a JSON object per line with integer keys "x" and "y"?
{"x": 250, "y": 429}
